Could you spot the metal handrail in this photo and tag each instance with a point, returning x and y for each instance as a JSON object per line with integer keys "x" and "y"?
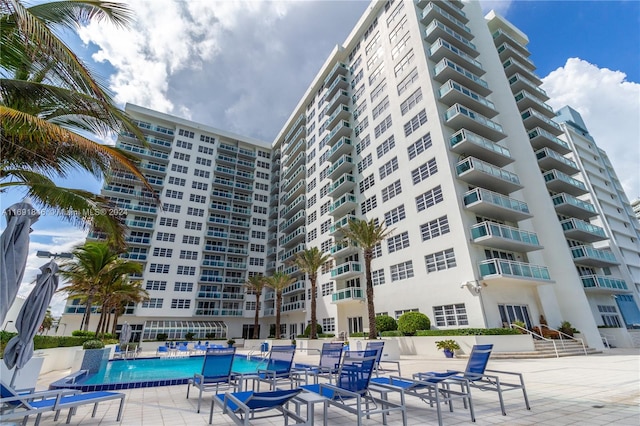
{"x": 560, "y": 333}
{"x": 555, "y": 348}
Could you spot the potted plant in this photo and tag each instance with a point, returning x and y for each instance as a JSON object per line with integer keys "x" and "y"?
{"x": 448, "y": 346}
{"x": 231, "y": 342}
{"x": 567, "y": 328}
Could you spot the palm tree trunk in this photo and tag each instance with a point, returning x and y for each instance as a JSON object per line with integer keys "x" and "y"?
{"x": 87, "y": 313}
{"x": 314, "y": 320}
{"x": 278, "y": 304}
{"x": 373, "y": 333}
{"x": 256, "y": 319}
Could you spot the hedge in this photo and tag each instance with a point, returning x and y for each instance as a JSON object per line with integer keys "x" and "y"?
{"x": 467, "y": 332}
{"x": 48, "y": 342}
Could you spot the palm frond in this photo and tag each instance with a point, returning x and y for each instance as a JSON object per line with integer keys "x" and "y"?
{"x": 73, "y": 13}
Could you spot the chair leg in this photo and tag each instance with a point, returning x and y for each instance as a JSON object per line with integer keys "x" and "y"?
{"x": 95, "y": 408}
{"x": 211, "y": 410}
{"x": 504, "y": 412}
{"x": 524, "y": 394}
{"x": 120, "y": 409}
{"x": 199, "y": 398}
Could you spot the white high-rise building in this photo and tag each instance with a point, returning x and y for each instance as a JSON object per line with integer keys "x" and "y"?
{"x": 428, "y": 118}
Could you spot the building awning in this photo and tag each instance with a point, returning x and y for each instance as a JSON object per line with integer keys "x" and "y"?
{"x": 177, "y": 329}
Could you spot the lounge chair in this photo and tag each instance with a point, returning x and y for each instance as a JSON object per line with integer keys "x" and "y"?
{"x": 475, "y": 374}
{"x": 329, "y": 363}
{"x": 278, "y": 367}
{"x": 380, "y": 369}
{"x": 17, "y": 405}
{"x": 351, "y": 391}
{"x": 216, "y": 373}
{"x": 242, "y": 406}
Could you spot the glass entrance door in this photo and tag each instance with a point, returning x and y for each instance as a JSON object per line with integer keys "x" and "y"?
{"x": 511, "y": 313}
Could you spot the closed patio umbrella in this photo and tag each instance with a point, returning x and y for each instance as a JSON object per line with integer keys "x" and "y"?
{"x": 125, "y": 334}
{"x": 19, "y": 349}
{"x": 15, "y": 247}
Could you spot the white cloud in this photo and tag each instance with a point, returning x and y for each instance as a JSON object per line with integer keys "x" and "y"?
{"x": 610, "y": 107}
{"x": 500, "y": 6}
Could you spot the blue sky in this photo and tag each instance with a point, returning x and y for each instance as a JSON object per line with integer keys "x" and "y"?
{"x": 227, "y": 63}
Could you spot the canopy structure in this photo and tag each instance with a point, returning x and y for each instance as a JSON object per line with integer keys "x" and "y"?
{"x": 176, "y": 329}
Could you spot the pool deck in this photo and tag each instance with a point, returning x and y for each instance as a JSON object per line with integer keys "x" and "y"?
{"x": 600, "y": 389}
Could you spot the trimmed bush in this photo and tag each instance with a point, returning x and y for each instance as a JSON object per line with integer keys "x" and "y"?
{"x": 356, "y": 335}
{"x": 386, "y": 323}
{"x": 468, "y": 332}
{"x": 307, "y": 331}
{"x": 161, "y": 337}
{"x": 82, "y": 333}
{"x": 410, "y": 322}
{"x": 189, "y": 336}
{"x": 93, "y": 344}
{"x": 393, "y": 333}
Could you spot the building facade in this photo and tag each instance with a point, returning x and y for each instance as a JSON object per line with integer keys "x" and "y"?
{"x": 429, "y": 118}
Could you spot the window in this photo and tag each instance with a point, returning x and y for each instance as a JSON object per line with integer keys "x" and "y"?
{"x": 153, "y": 303}
{"x": 328, "y": 325}
{"x": 260, "y": 209}
{"x": 161, "y": 268}
{"x": 386, "y": 146}
{"x": 171, "y": 208}
{"x": 367, "y": 183}
{"x": 369, "y": 204}
{"x": 388, "y": 168}
{"x": 394, "y": 215}
{"x": 256, "y": 261}
{"x": 260, "y": 235}
{"x": 250, "y": 306}
{"x": 162, "y": 252}
{"x": 198, "y": 198}
{"x": 179, "y": 169}
{"x": 377, "y": 277}
{"x": 259, "y": 222}
{"x": 375, "y": 93}
{"x": 404, "y": 64}
{"x": 424, "y": 171}
{"x": 401, "y": 46}
{"x": 180, "y": 303}
{"x": 398, "y": 242}
{"x": 207, "y": 139}
{"x": 609, "y": 315}
{"x": 176, "y": 181}
{"x": 312, "y": 217}
{"x": 165, "y": 236}
{"x": 326, "y": 246}
{"x": 434, "y": 228}
{"x": 165, "y": 221}
{"x": 411, "y": 101}
{"x": 408, "y": 81}
{"x": 375, "y": 75}
{"x": 324, "y": 227}
{"x": 417, "y": 121}
{"x": 182, "y": 286}
{"x": 199, "y": 185}
{"x": 399, "y": 313}
{"x": 391, "y": 191}
{"x": 189, "y": 239}
{"x": 325, "y": 208}
{"x": 450, "y": 315}
{"x": 195, "y": 212}
{"x": 263, "y": 164}
{"x": 402, "y": 271}
{"x": 366, "y": 162}
{"x": 440, "y": 261}
{"x": 193, "y": 225}
{"x": 395, "y": 14}
{"x": 203, "y": 161}
{"x": 257, "y": 248}
{"x": 378, "y": 109}
{"x": 261, "y": 197}
{"x": 174, "y": 194}
{"x": 361, "y": 126}
{"x": 185, "y": 133}
{"x": 383, "y": 126}
{"x": 377, "y": 251}
{"x": 181, "y": 156}
{"x": 188, "y": 254}
{"x": 429, "y": 198}
{"x": 419, "y": 146}
{"x": 186, "y": 270}
{"x": 184, "y": 144}
{"x": 311, "y": 185}
{"x": 155, "y": 285}
{"x": 327, "y": 288}
{"x": 312, "y": 235}
{"x": 325, "y": 189}
{"x": 311, "y": 201}
{"x": 364, "y": 143}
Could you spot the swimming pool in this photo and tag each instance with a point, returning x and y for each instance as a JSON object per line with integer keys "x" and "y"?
{"x": 148, "y": 372}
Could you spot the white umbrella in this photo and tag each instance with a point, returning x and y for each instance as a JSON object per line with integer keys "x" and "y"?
{"x": 125, "y": 334}
{"x": 19, "y": 349}
{"x": 15, "y": 247}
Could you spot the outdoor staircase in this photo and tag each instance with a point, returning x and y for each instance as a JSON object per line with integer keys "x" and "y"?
{"x": 544, "y": 349}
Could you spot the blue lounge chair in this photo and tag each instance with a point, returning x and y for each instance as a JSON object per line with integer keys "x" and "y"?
{"x": 216, "y": 373}
{"x": 242, "y": 406}
{"x": 380, "y": 369}
{"x": 278, "y": 367}
{"x": 475, "y": 375}
{"x": 17, "y": 405}
{"x": 329, "y": 363}
{"x": 351, "y": 391}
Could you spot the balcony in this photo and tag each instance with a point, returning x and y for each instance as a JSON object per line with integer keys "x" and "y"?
{"x": 293, "y": 149}
{"x": 341, "y": 113}
{"x": 579, "y": 230}
{"x": 341, "y": 97}
{"x": 340, "y": 83}
{"x": 500, "y": 36}
{"x": 343, "y": 184}
{"x": 532, "y": 118}
{"x": 343, "y": 248}
{"x": 295, "y": 221}
{"x": 218, "y": 295}
{"x": 465, "y": 142}
{"x": 341, "y": 165}
{"x": 219, "y": 312}
{"x": 603, "y": 284}
{"x": 346, "y": 270}
{"x": 518, "y": 83}
{"x": 491, "y": 204}
{"x": 338, "y": 69}
{"x": 291, "y": 163}
{"x": 526, "y": 100}
{"x": 269, "y": 312}
{"x": 296, "y": 236}
{"x": 297, "y": 189}
{"x": 300, "y": 172}
{"x": 139, "y": 224}
{"x": 568, "y": 205}
{"x": 548, "y": 159}
{"x": 508, "y": 50}
{"x": 561, "y": 182}
{"x": 291, "y": 208}
{"x": 342, "y": 129}
{"x": 246, "y": 153}
{"x": 443, "y": 49}
{"x": 293, "y": 306}
{"x": 302, "y": 118}
{"x": 343, "y": 205}
{"x": 352, "y": 294}
{"x": 288, "y": 255}
{"x": 458, "y": 117}
{"x": 504, "y": 237}
{"x": 343, "y": 146}
{"x": 589, "y": 256}
{"x": 431, "y": 12}
{"x": 478, "y": 173}
{"x": 540, "y": 138}
{"x": 452, "y": 92}
{"x": 512, "y": 66}
{"x": 510, "y": 272}
{"x": 437, "y": 29}
{"x": 336, "y": 228}
{"x": 447, "y": 69}
{"x": 295, "y": 287}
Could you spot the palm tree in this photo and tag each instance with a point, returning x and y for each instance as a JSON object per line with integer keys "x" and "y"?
{"x": 309, "y": 261}
{"x": 278, "y": 282}
{"x": 126, "y": 292}
{"x": 256, "y": 283}
{"x": 50, "y": 101}
{"x": 94, "y": 267}
{"x": 367, "y": 235}
{"x": 119, "y": 290}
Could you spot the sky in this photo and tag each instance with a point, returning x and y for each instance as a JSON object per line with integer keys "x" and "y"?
{"x": 243, "y": 67}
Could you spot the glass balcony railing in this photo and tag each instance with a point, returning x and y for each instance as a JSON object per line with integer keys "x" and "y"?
{"x": 471, "y": 163}
{"x": 353, "y": 293}
{"x": 581, "y": 252}
{"x": 346, "y": 268}
{"x": 580, "y": 225}
{"x": 485, "y": 229}
{"x": 479, "y": 194}
{"x": 513, "y": 269}
{"x": 563, "y": 198}
{"x": 603, "y": 282}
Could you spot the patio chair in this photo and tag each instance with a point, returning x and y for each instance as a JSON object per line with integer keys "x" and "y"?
{"x": 243, "y": 406}
{"x": 16, "y": 405}
{"x": 351, "y": 391}
{"x": 475, "y": 374}
{"x": 278, "y": 367}
{"x": 435, "y": 389}
{"x": 162, "y": 351}
{"x": 329, "y": 364}
{"x": 216, "y": 373}
{"x": 379, "y": 368}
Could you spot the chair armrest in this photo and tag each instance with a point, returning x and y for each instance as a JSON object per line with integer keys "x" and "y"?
{"x": 230, "y": 397}
{"x": 513, "y": 373}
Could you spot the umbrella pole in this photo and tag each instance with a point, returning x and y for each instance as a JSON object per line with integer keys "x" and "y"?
{"x": 13, "y": 377}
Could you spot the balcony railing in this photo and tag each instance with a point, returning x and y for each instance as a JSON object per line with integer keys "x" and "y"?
{"x": 486, "y": 229}
{"x": 346, "y": 268}
{"x": 353, "y": 293}
{"x": 513, "y": 269}
{"x": 602, "y": 282}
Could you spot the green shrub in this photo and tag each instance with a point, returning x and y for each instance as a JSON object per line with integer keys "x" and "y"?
{"x": 307, "y": 331}
{"x": 326, "y": 335}
{"x": 82, "y": 333}
{"x": 93, "y": 344}
{"x": 393, "y": 333}
{"x": 189, "y": 336}
{"x": 161, "y": 337}
{"x": 410, "y": 322}
{"x": 468, "y": 332}
{"x": 386, "y": 323}
{"x": 356, "y": 335}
